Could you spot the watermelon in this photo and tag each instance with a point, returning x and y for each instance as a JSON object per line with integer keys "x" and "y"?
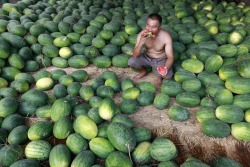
{"x": 146, "y": 86}
{"x": 40, "y": 130}
{"x": 178, "y": 113}
{"x": 60, "y": 91}
{"x": 113, "y": 83}
{"x": 213, "y": 63}
{"x": 76, "y": 143}
{"x": 131, "y": 93}
{"x": 102, "y": 130}
{"x": 45, "y": 83}
{"x": 215, "y": 128}
{"x": 121, "y": 137}
{"x": 111, "y": 50}
{"x": 106, "y": 34}
{"x": 126, "y": 83}
{"x": 59, "y": 156}
{"x": 192, "y": 65}
{"x": 107, "y": 109}
{"x": 10, "y": 154}
{"x": 205, "y": 113}
{"x": 129, "y": 106}
{"x": 50, "y": 51}
{"x": 93, "y": 114}
{"x": 162, "y": 149}
{"x": 124, "y": 119}
{"x": 98, "y": 42}
{"x": 16, "y": 60}
{"x": 241, "y": 130}
{"x": 191, "y": 85}
{"x": 229, "y": 113}
{"x": 85, "y": 126}
{"x": 95, "y": 101}
{"x": 62, "y": 128}
{"x": 26, "y": 163}
{"x": 78, "y": 61}
{"x": 61, "y": 41}
{"x": 38, "y": 150}
{"x": 118, "y": 158}
{"x": 102, "y": 62}
{"x": 238, "y": 85}
{"x": 171, "y": 88}
{"x": 81, "y": 109}
{"x": 18, "y": 135}
{"x": 243, "y": 68}
{"x": 106, "y": 91}
{"x": 167, "y": 164}
{"x": 242, "y": 101}
{"x": 66, "y": 80}
{"x": 80, "y": 75}
{"x": 141, "y": 154}
{"x": 194, "y": 163}
{"x": 43, "y": 111}
{"x": 120, "y": 60}
{"x": 188, "y": 99}
{"x": 8, "y": 92}
{"x": 85, "y": 158}
{"x": 73, "y": 88}
{"x": 65, "y": 52}
{"x": 228, "y": 71}
{"x": 9, "y": 73}
{"x": 142, "y": 134}
{"x": 227, "y": 50}
{"x": 20, "y": 85}
{"x": 182, "y": 75}
{"x": 223, "y": 161}
{"x": 235, "y": 38}
{"x": 223, "y": 97}
{"x": 8, "y": 106}
{"x": 60, "y": 108}
{"x": 86, "y": 92}
{"x": 101, "y": 147}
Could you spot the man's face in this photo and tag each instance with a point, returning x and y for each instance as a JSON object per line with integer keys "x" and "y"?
{"x": 153, "y": 26}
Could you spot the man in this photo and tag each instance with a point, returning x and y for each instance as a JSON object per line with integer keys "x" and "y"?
{"x": 159, "y": 50}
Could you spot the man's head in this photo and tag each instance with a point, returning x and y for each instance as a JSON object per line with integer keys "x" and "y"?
{"x": 153, "y": 23}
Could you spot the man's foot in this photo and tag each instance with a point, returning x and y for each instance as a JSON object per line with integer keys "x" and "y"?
{"x": 159, "y": 81}
{"x": 140, "y": 75}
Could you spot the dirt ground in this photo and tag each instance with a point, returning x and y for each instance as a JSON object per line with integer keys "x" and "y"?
{"x": 186, "y": 135}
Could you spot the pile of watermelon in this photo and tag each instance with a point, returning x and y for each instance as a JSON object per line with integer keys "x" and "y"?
{"x": 212, "y": 70}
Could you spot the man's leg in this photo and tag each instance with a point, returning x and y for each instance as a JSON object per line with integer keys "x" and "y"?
{"x": 142, "y": 73}
{"x": 138, "y": 63}
{"x": 160, "y": 78}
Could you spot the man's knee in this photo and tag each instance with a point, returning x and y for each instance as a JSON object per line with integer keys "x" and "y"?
{"x": 132, "y": 62}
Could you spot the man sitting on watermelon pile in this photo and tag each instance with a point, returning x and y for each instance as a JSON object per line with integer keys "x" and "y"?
{"x": 159, "y": 50}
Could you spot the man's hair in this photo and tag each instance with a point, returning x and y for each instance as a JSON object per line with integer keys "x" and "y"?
{"x": 155, "y": 16}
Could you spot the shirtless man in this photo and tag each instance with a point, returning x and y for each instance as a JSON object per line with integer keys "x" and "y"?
{"x": 159, "y": 50}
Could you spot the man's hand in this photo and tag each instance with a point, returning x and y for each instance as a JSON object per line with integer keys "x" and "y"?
{"x": 145, "y": 35}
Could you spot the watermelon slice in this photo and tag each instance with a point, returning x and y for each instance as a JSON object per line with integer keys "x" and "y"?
{"x": 162, "y": 70}
{"x": 148, "y": 35}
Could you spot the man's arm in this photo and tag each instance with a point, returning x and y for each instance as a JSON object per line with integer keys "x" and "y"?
{"x": 169, "y": 52}
{"x": 140, "y": 40}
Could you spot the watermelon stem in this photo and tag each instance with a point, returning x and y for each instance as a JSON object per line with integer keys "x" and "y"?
{"x": 128, "y": 145}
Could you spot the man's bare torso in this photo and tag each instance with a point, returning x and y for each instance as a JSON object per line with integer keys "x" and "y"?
{"x": 155, "y": 47}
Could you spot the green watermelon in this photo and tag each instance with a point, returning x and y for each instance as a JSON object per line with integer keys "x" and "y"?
{"x": 162, "y": 149}
{"x": 76, "y": 143}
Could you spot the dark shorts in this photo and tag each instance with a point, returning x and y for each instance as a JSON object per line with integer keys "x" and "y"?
{"x": 143, "y": 61}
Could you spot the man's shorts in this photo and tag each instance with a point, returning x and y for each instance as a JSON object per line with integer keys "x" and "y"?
{"x": 143, "y": 61}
